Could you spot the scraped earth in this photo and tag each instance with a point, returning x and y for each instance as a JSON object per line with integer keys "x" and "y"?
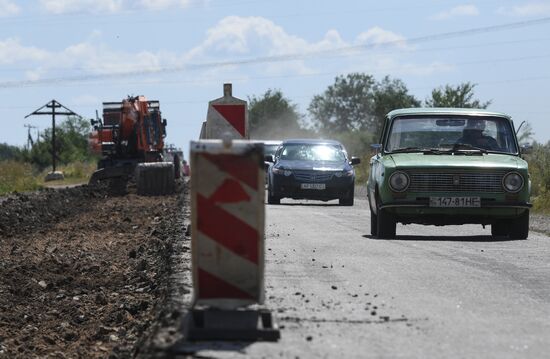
{"x": 87, "y": 274}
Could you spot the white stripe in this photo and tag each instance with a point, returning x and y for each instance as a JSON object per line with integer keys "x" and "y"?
{"x": 217, "y": 125}
{"x": 228, "y": 266}
{"x": 209, "y": 176}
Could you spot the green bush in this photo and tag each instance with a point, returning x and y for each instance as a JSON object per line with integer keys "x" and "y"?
{"x": 17, "y": 177}
{"x": 539, "y": 168}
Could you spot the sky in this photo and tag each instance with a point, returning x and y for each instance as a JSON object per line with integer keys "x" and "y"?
{"x": 180, "y": 52}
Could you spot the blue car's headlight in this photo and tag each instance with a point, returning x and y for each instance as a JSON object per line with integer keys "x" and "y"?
{"x": 344, "y": 173}
{"x": 280, "y": 171}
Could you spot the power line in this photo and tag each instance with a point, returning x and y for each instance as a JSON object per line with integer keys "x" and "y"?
{"x": 276, "y": 58}
{"x": 388, "y": 51}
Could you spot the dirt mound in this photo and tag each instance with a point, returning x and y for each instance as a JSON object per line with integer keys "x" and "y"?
{"x": 83, "y": 274}
{"x": 32, "y": 211}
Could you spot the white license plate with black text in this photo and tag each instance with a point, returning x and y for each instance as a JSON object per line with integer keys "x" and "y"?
{"x": 313, "y": 186}
{"x": 455, "y": 202}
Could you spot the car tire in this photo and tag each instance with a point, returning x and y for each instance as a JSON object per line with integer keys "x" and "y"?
{"x": 519, "y": 227}
{"x": 272, "y": 199}
{"x": 348, "y": 199}
{"x": 386, "y": 224}
{"x": 373, "y": 223}
{"x": 499, "y": 228}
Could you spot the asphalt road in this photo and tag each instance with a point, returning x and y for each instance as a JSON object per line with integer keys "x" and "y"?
{"x": 433, "y": 292}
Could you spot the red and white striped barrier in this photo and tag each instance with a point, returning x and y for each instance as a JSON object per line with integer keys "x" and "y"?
{"x": 227, "y": 198}
{"x": 227, "y": 117}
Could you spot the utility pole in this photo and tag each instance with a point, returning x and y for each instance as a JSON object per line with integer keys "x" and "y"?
{"x": 30, "y": 142}
{"x": 53, "y": 108}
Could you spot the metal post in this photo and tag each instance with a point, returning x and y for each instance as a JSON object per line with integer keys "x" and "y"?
{"x": 53, "y": 135}
{"x": 53, "y": 104}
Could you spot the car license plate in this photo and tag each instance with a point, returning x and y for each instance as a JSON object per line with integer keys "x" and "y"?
{"x": 455, "y": 202}
{"x": 312, "y": 186}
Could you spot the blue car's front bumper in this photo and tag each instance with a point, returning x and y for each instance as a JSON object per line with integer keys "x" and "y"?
{"x": 282, "y": 186}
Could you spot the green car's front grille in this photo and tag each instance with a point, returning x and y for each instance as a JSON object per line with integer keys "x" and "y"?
{"x": 487, "y": 182}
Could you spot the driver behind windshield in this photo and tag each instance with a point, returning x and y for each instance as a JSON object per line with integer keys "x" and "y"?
{"x": 472, "y": 134}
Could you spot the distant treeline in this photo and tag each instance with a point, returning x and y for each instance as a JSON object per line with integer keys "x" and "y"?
{"x": 71, "y": 144}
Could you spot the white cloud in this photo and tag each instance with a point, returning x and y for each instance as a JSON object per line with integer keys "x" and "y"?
{"x": 11, "y": 51}
{"x": 460, "y": 10}
{"x": 108, "y": 6}
{"x": 164, "y": 4}
{"x": 8, "y": 8}
{"x": 230, "y": 44}
{"x": 379, "y": 36}
{"x": 525, "y": 10}
{"x": 72, "y": 6}
{"x": 245, "y": 35}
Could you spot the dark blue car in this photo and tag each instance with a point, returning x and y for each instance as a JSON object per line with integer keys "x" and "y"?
{"x": 311, "y": 169}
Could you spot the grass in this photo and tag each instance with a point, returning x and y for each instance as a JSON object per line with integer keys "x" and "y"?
{"x": 75, "y": 173}
{"x": 18, "y": 177}
{"x": 22, "y": 177}
{"x": 541, "y": 202}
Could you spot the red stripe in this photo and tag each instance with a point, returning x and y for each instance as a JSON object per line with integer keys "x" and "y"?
{"x": 227, "y": 230}
{"x": 230, "y": 191}
{"x": 243, "y": 168}
{"x": 234, "y": 114}
{"x": 211, "y": 286}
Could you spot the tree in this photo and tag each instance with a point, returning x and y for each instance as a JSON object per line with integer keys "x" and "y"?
{"x": 272, "y": 116}
{"x": 460, "y": 96}
{"x": 8, "y": 152}
{"x": 390, "y": 95}
{"x": 346, "y": 105}
{"x": 71, "y": 144}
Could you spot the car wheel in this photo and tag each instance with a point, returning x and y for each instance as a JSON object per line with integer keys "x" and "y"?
{"x": 272, "y": 199}
{"x": 373, "y": 223}
{"x": 519, "y": 227}
{"x": 499, "y": 228}
{"x": 386, "y": 223}
{"x": 348, "y": 199}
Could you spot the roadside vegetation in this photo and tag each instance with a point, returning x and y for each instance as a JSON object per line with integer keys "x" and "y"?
{"x": 24, "y": 169}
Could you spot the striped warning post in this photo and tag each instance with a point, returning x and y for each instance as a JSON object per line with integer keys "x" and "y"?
{"x": 227, "y": 117}
{"x": 227, "y": 198}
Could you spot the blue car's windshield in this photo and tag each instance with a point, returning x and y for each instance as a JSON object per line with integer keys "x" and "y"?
{"x": 418, "y": 133}
{"x": 270, "y": 149}
{"x": 312, "y": 152}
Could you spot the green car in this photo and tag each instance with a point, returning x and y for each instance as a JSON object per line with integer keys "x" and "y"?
{"x": 442, "y": 166}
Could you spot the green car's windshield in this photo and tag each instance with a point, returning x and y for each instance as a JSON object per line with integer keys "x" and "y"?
{"x": 452, "y": 133}
{"x": 312, "y": 152}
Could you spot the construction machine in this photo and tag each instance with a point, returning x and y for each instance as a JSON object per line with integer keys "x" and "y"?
{"x": 130, "y": 140}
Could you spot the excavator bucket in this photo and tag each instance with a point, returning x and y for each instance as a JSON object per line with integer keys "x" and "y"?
{"x": 155, "y": 178}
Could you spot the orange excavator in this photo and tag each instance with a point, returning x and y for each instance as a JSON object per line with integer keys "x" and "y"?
{"x": 130, "y": 140}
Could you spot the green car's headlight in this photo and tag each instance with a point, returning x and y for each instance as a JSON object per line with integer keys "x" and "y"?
{"x": 512, "y": 182}
{"x": 399, "y": 181}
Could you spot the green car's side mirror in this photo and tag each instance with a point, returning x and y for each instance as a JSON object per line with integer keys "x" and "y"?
{"x": 376, "y": 147}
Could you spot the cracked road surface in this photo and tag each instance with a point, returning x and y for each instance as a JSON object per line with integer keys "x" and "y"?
{"x": 433, "y": 292}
